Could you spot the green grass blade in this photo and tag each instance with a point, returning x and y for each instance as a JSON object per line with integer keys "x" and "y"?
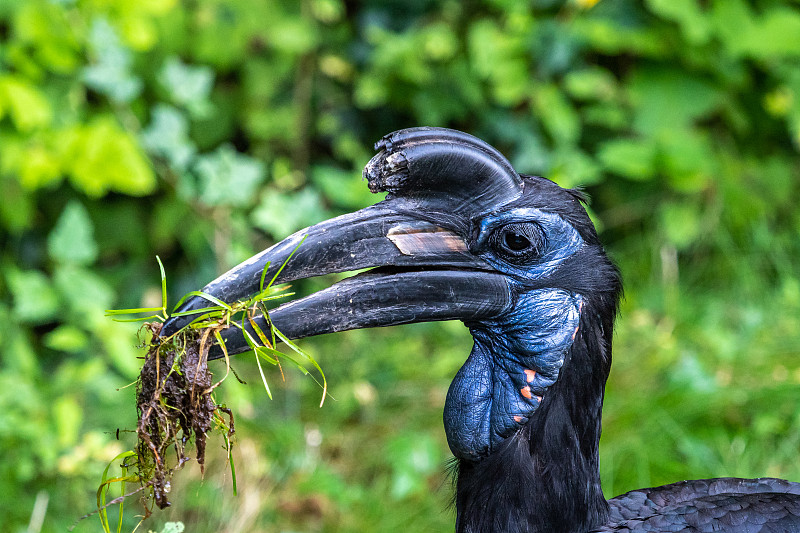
{"x": 133, "y": 311}
{"x": 297, "y": 349}
{"x": 265, "y": 312}
{"x": 261, "y": 371}
{"x": 229, "y": 445}
{"x": 105, "y": 484}
{"x": 212, "y": 309}
{"x": 263, "y": 275}
{"x": 287, "y": 260}
{"x": 259, "y": 332}
{"x": 201, "y": 294}
{"x": 257, "y": 352}
{"x": 269, "y": 294}
{"x": 267, "y": 354}
{"x": 163, "y": 286}
{"x": 292, "y": 360}
{"x": 140, "y": 319}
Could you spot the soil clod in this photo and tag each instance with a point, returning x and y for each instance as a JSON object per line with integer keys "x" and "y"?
{"x": 175, "y": 404}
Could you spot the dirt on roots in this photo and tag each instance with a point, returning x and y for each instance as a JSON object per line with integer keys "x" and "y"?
{"x": 175, "y": 404}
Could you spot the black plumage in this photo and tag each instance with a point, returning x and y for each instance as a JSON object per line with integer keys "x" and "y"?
{"x": 462, "y": 236}
{"x": 724, "y": 504}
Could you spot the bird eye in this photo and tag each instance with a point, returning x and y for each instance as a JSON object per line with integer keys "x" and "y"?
{"x": 518, "y": 241}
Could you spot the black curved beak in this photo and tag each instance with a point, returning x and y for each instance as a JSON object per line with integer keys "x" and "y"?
{"x": 425, "y": 273}
{"x": 416, "y": 241}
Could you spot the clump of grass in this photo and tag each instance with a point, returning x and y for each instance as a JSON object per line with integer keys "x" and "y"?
{"x": 175, "y": 404}
{"x": 175, "y": 391}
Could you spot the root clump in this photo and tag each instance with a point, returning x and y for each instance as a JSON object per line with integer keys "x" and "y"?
{"x": 175, "y": 404}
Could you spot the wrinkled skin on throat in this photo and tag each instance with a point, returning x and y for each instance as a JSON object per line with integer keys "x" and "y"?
{"x": 514, "y": 361}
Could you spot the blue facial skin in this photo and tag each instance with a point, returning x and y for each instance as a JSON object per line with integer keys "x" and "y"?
{"x": 518, "y": 354}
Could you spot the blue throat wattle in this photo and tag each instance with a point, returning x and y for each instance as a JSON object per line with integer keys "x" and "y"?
{"x": 516, "y": 357}
{"x": 518, "y": 354}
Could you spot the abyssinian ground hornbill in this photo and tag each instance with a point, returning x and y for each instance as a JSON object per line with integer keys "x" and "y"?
{"x": 462, "y": 236}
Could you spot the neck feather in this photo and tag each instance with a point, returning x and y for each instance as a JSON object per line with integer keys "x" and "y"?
{"x": 545, "y": 477}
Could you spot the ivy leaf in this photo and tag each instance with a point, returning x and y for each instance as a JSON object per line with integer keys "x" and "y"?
{"x": 281, "y": 214}
{"x": 35, "y": 300}
{"x": 111, "y": 72}
{"x": 340, "y": 187}
{"x": 72, "y": 239}
{"x": 227, "y": 177}
{"x": 84, "y": 292}
{"x": 167, "y": 136}
{"x": 188, "y": 86}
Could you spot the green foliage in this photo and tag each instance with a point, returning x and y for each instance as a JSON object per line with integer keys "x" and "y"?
{"x": 134, "y": 128}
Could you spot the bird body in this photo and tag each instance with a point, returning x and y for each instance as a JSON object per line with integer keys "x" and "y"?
{"x": 461, "y": 235}
{"x": 723, "y": 504}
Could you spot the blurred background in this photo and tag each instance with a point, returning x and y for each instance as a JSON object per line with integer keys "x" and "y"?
{"x": 205, "y": 130}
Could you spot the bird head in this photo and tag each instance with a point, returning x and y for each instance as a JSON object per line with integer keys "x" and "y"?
{"x": 460, "y": 236}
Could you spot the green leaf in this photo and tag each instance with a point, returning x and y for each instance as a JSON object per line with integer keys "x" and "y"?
{"x": 667, "y": 98}
{"x": 17, "y": 210}
{"x": 44, "y": 29}
{"x": 370, "y": 92}
{"x": 105, "y": 485}
{"x": 210, "y": 298}
{"x": 28, "y": 107}
{"x": 557, "y": 114}
{"x": 67, "y": 415}
{"x": 35, "y": 300}
{"x": 342, "y": 187}
{"x": 687, "y": 160}
{"x": 66, "y": 338}
{"x": 189, "y": 86}
{"x": 413, "y": 458}
{"x": 293, "y": 35}
{"x": 163, "y": 284}
{"x": 634, "y": 159}
{"x": 39, "y": 166}
{"x": 681, "y": 223}
{"x": 500, "y": 57}
{"x": 774, "y": 34}
{"x": 167, "y": 136}
{"x": 86, "y": 293}
{"x": 591, "y": 84}
{"x": 173, "y": 527}
{"x": 72, "y": 239}
{"x": 778, "y": 33}
{"x": 227, "y": 177}
{"x": 282, "y": 214}
{"x": 572, "y": 168}
{"x": 101, "y": 157}
{"x": 111, "y": 72}
{"x": 687, "y": 13}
